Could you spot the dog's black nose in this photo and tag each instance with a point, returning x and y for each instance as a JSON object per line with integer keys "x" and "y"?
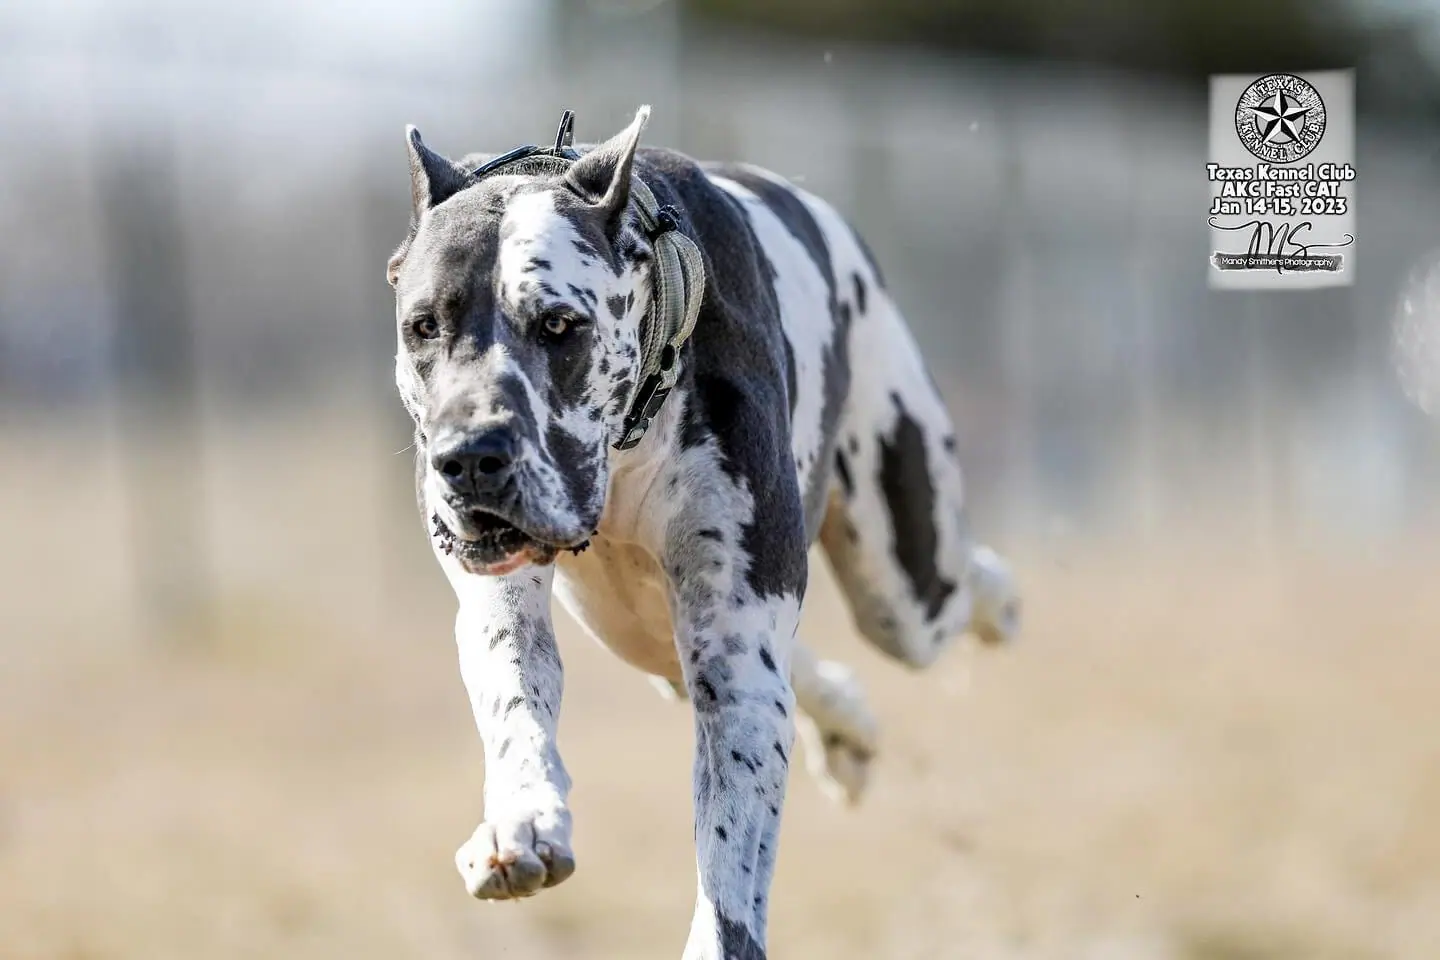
{"x": 474, "y": 463}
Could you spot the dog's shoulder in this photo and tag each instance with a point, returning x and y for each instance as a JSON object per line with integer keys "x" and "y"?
{"x": 738, "y": 353}
{"x": 738, "y": 373}
{"x": 739, "y": 343}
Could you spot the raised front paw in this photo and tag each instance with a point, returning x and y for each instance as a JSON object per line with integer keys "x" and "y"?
{"x": 509, "y": 859}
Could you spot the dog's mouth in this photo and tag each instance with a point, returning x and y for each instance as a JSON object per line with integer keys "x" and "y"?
{"x": 492, "y": 545}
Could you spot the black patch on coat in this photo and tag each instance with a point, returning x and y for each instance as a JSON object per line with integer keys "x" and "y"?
{"x": 576, "y": 465}
{"x": 567, "y": 365}
{"x": 905, "y": 481}
{"x": 766, "y": 659}
{"x": 753, "y": 439}
{"x": 792, "y": 211}
{"x": 842, "y": 470}
{"x": 745, "y": 761}
{"x": 736, "y": 942}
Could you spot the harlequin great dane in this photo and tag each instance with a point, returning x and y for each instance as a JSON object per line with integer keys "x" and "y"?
{"x": 647, "y": 386}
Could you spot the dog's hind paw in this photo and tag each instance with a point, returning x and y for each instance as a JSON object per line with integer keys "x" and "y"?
{"x": 510, "y": 859}
{"x": 839, "y": 764}
{"x": 996, "y": 615}
{"x": 839, "y": 733}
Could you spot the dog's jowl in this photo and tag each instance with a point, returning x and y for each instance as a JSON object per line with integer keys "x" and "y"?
{"x": 648, "y": 386}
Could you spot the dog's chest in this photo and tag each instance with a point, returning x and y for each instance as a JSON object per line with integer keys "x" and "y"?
{"x": 619, "y": 594}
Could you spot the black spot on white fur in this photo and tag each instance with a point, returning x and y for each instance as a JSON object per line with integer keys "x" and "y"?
{"x": 788, "y": 207}
{"x": 736, "y": 942}
{"x": 910, "y": 497}
{"x": 766, "y": 659}
{"x": 842, "y": 472}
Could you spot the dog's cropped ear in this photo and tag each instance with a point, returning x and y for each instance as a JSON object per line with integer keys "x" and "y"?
{"x": 602, "y": 176}
{"x": 433, "y": 179}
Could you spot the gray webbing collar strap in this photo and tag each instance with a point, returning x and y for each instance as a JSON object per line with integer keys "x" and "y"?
{"x": 678, "y": 279}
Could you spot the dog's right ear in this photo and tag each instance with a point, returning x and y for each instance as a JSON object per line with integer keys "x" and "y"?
{"x": 602, "y": 176}
{"x": 433, "y": 179}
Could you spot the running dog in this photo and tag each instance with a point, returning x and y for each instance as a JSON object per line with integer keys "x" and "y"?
{"x": 647, "y": 386}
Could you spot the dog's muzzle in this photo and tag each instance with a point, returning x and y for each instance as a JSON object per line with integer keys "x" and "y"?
{"x": 482, "y": 526}
{"x": 474, "y": 476}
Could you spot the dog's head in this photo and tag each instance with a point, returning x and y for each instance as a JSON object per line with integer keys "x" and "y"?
{"x": 519, "y": 301}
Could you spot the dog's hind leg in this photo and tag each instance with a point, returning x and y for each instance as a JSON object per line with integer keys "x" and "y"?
{"x": 895, "y": 529}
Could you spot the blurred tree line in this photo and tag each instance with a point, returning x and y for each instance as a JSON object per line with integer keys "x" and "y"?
{"x": 1185, "y": 38}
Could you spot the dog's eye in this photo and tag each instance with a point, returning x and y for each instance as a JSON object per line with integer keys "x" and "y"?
{"x": 555, "y": 325}
{"x": 426, "y": 327}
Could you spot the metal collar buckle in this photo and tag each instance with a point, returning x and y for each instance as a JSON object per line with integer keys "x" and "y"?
{"x": 648, "y": 401}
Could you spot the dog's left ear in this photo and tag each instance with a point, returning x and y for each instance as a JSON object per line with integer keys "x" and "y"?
{"x": 602, "y": 176}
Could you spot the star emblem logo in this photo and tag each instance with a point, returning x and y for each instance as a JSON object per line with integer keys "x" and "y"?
{"x": 1280, "y": 118}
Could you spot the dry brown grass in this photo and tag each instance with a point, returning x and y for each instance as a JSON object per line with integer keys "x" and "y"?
{"x": 1197, "y": 753}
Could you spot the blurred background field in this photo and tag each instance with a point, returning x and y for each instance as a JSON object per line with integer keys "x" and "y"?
{"x": 230, "y": 719}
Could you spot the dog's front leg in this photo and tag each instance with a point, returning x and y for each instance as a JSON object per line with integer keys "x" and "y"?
{"x": 735, "y": 651}
{"x": 511, "y": 668}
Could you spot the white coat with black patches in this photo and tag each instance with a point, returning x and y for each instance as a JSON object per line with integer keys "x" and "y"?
{"x": 803, "y": 415}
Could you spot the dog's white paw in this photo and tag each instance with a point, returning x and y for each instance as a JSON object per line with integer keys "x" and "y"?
{"x": 510, "y": 859}
{"x": 839, "y": 733}
{"x": 839, "y": 763}
{"x": 996, "y": 615}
